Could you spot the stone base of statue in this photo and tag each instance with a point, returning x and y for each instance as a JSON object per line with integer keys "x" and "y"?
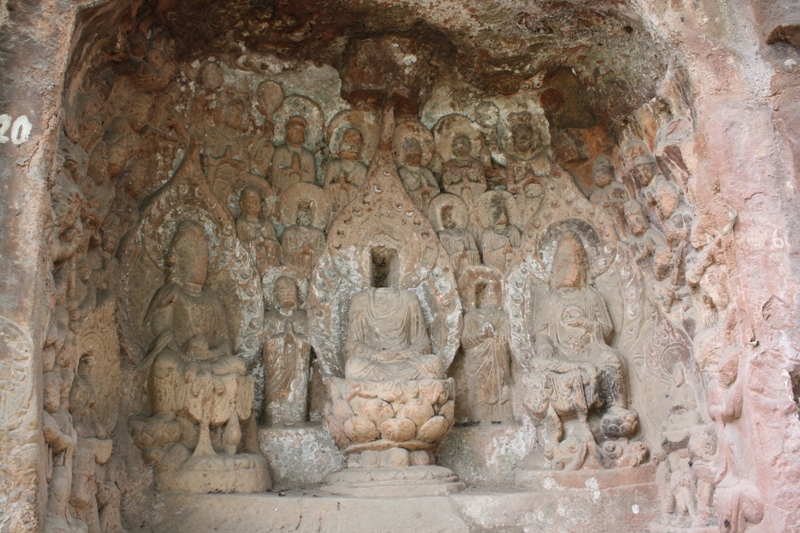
{"x": 658, "y": 527}
{"x": 403, "y": 482}
{"x": 388, "y": 430}
{"x": 220, "y": 473}
{"x": 593, "y": 479}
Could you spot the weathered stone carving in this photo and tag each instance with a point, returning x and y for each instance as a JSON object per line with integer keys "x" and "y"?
{"x": 286, "y": 354}
{"x": 486, "y": 344}
{"x": 299, "y": 122}
{"x": 497, "y": 213}
{"x": 528, "y": 156}
{"x": 393, "y": 405}
{"x": 609, "y": 193}
{"x": 449, "y": 216}
{"x": 256, "y": 232}
{"x": 413, "y": 149}
{"x": 305, "y": 209}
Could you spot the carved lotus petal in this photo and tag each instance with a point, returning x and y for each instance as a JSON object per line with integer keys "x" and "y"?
{"x": 378, "y": 411}
{"x": 448, "y": 410}
{"x": 433, "y": 391}
{"x": 342, "y": 410}
{"x": 398, "y": 429}
{"x": 434, "y": 429}
{"x": 361, "y": 429}
{"x": 418, "y": 411}
{"x": 337, "y": 432}
{"x": 357, "y": 404}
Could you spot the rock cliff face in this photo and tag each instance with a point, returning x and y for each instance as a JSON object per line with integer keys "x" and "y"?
{"x": 394, "y": 247}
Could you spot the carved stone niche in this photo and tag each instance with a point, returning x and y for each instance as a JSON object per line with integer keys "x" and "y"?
{"x": 570, "y": 325}
{"x": 385, "y": 321}
{"x": 190, "y": 311}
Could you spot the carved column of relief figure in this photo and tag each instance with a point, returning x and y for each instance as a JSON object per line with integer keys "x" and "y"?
{"x": 286, "y": 350}
{"x": 387, "y": 273}
{"x": 352, "y": 138}
{"x": 253, "y": 225}
{"x": 497, "y": 215}
{"x": 486, "y": 344}
{"x": 269, "y": 97}
{"x": 189, "y": 302}
{"x": 299, "y": 126}
{"x": 413, "y": 148}
{"x": 738, "y": 501}
{"x": 528, "y": 153}
{"x": 449, "y": 216}
{"x": 460, "y": 145}
{"x": 305, "y": 211}
{"x": 609, "y": 193}
{"x": 226, "y": 145}
{"x": 487, "y": 116}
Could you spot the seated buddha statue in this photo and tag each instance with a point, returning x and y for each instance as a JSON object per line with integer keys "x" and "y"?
{"x": 387, "y": 338}
{"x": 193, "y": 372}
{"x": 576, "y": 370}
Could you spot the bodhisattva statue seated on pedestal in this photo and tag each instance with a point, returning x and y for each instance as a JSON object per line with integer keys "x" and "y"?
{"x": 194, "y": 375}
{"x": 574, "y": 370}
{"x": 386, "y": 334}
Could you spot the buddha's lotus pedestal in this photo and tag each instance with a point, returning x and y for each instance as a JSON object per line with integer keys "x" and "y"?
{"x": 389, "y": 431}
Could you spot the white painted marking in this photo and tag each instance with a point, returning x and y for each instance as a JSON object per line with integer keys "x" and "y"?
{"x": 21, "y": 130}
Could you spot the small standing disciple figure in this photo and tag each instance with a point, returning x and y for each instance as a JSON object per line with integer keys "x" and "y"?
{"x": 575, "y": 368}
{"x": 193, "y": 372}
{"x": 528, "y": 159}
{"x": 387, "y": 338}
{"x": 302, "y": 243}
{"x": 609, "y": 193}
{"x": 292, "y": 162}
{"x": 345, "y": 175}
{"x": 485, "y": 340}
{"x": 256, "y": 233}
{"x": 500, "y": 242}
{"x": 418, "y": 180}
{"x": 646, "y": 239}
{"x": 463, "y": 175}
{"x": 287, "y": 356}
{"x": 458, "y": 242}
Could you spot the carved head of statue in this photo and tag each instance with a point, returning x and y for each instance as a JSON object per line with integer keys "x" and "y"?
{"x": 305, "y": 212}
{"x": 251, "y": 203}
{"x": 350, "y": 147}
{"x": 210, "y": 76}
{"x": 461, "y": 146}
{"x": 570, "y": 263}
{"x": 644, "y": 169}
{"x": 413, "y": 152}
{"x": 499, "y": 214}
{"x": 448, "y": 220}
{"x": 488, "y": 296}
{"x": 286, "y": 294}
{"x": 702, "y": 444}
{"x": 385, "y": 267}
{"x": 668, "y": 197}
{"x": 662, "y": 262}
{"x": 728, "y": 367}
{"x": 634, "y": 215}
{"x": 603, "y": 171}
{"x": 187, "y": 259}
{"x": 233, "y": 115}
{"x": 138, "y": 110}
{"x": 296, "y": 131}
{"x": 110, "y": 232}
{"x": 487, "y": 114}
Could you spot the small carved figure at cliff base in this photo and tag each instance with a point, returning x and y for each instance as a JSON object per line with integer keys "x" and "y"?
{"x": 386, "y": 334}
{"x": 287, "y": 356}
